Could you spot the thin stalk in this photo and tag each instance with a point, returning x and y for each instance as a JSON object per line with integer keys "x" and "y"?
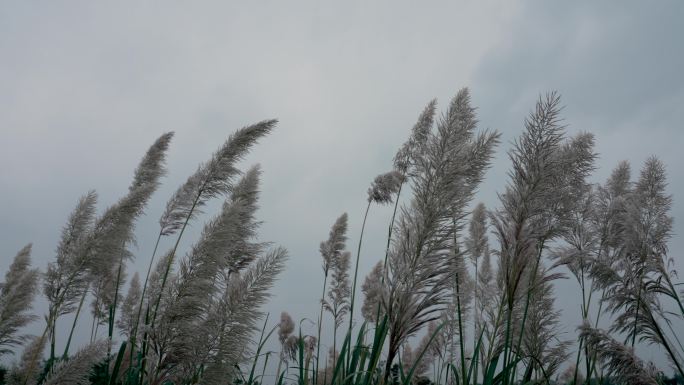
{"x": 506, "y": 341}
{"x": 387, "y": 248}
{"x": 52, "y": 341}
{"x": 320, "y": 324}
{"x": 458, "y": 311}
{"x": 134, "y": 332}
{"x": 170, "y": 262}
{"x": 667, "y": 347}
{"x": 460, "y": 330}
{"x": 478, "y": 321}
{"x": 112, "y": 310}
{"x": 95, "y": 320}
{"x": 263, "y": 370}
{"x": 636, "y": 315}
{"x": 356, "y": 273}
{"x": 530, "y": 288}
{"x": 34, "y": 357}
{"x": 73, "y": 325}
{"x": 594, "y": 357}
{"x": 280, "y": 362}
{"x": 163, "y": 283}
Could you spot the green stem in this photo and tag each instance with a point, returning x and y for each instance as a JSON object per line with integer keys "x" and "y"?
{"x": 662, "y": 338}
{"x": 356, "y": 273}
{"x": 163, "y": 284}
{"x": 73, "y": 325}
{"x": 530, "y": 289}
{"x": 134, "y": 332}
{"x": 387, "y": 248}
{"x": 320, "y": 324}
{"x": 458, "y": 308}
{"x": 112, "y": 310}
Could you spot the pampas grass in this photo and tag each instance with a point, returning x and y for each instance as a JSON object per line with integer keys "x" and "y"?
{"x": 16, "y": 294}
{"x": 464, "y": 295}
{"x": 78, "y": 368}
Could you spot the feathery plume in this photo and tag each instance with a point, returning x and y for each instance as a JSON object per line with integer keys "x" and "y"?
{"x": 412, "y": 148}
{"x": 212, "y": 179}
{"x": 384, "y": 187}
{"x": 542, "y": 342}
{"x": 16, "y": 295}
{"x": 114, "y": 230}
{"x": 129, "y": 307}
{"x": 445, "y": 174}
{"x": 536, "y": 201}
{"x": 477, "y": 242}
{"x": 224, "y": 246}
{"x": 338, "y": 295}
{"x": 77, "y": 369}
{"x": 621, "y": 361}
{"x": 26, "y": 372}
{"x": 67, "y": 277}
{"x": 332, "y": 248}
{"x": 235, "y": 317}
{"x": 285, "y": 327}
{"x": 372, "y": 289}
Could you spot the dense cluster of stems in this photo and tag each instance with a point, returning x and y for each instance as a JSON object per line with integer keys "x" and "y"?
{"x": 464, "y": 294}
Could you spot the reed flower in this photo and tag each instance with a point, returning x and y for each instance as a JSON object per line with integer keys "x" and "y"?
{"x": 212, "y": 179}
{"x": 332, "y": 248}
{"x": 446, "y": 172}
{"x": 384, "y": 187}
{"x": 129, "y": 307}
{"x": 415, "y": 145}
{"x": 16, "y": 294}
{"x": 25, "y": 371}
{"x": 114, "y": 230}
{"x": 621, "y": 362}
{"x": 372, "y": 289}
{"x": 285, "y": 327}
{"x": 234, "y": 319}
{"x": 77, "y": 370}
{"x": 67, "y": 277}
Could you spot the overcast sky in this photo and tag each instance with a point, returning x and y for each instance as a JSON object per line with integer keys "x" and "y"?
{"x": 86, "y": 87}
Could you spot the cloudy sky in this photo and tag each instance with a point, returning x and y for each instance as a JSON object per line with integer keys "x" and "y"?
{"x": 86, "y": 87}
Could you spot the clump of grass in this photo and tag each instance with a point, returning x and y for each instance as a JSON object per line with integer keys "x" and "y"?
{"x": 445, "y": 305}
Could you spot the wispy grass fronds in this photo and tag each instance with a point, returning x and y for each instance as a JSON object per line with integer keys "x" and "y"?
{"x": 67, "y": 277}
{"x": 384, "y": 187}
{"x": 26, "y": 371}
{"x": 236, "y": 315}
{"x": 213, "y": 178}
{"x": 640, "y": 272}
{"x": 446, "y": 173}
{"x": 77, "y": 370}
{"x": 477, "y": 243}
{"x": 16, "y": 295}
{"x": 543, "y": 346}
{"x": 621, "y": 362}
{"x": 548, "y": 171}
{"x": 520, "y": 223}
{"x": 331, "y": 251}
{"x": 285, "y": 327}
{"x": 338, "y": 294}
{"x": 114, "y": 230}
{"x": 372, "y": 290}
{"x": 129, "y": 307}
{"x": 332, "y": 248}
{"x": 225, "y": 247}
{"x": 420, "y": 133}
